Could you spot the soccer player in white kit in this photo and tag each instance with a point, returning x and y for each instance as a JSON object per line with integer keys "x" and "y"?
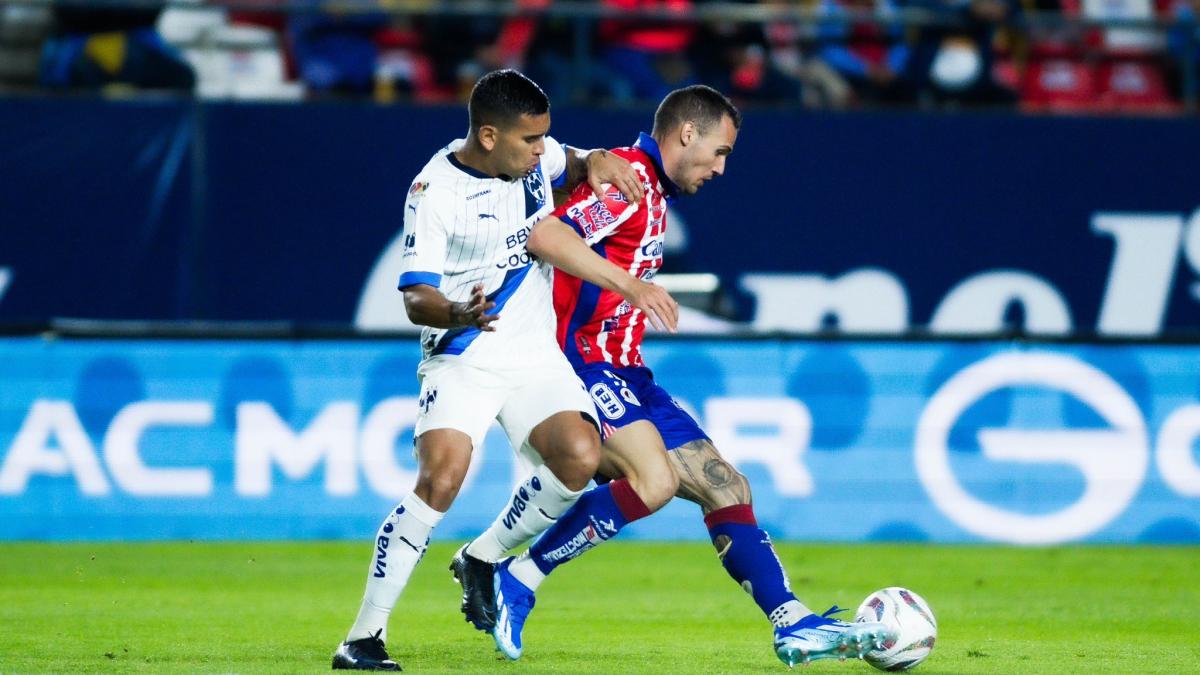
{"x": 488, "y": 344}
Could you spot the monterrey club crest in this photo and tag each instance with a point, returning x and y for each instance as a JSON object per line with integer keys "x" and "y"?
{"x": 535, "y": 192}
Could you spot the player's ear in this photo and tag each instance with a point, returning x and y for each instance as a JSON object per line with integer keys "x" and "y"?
{"x": 687, "y": 133}
{"x": 488, "y": 136}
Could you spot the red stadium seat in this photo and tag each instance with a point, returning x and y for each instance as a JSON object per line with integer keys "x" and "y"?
{"x": 1134, "y": 86}
{"x": 1059, "y": 85}
{"x": 273, "y": 21}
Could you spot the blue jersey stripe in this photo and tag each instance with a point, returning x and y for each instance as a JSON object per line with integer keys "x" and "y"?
{"x": 574, "y": 226}
{"x": 414, "y": 278}
{"x": 456, "y": 341}
{"x": 585, "y": 307}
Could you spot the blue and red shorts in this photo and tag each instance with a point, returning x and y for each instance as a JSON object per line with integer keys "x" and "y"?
{"x": 626, "y": 395}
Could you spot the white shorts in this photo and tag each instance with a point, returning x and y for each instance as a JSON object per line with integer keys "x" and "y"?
{"x": 457, "y": 395}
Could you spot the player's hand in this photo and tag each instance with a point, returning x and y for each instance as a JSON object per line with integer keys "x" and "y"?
{"x": 656, "y": 303}
{"x": 606, "y": 168}
{"x": 474, "y": 312}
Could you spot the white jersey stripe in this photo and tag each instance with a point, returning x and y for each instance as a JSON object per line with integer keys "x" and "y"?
{"x": 602, "y": 345}
{"x": 627, "y": 344}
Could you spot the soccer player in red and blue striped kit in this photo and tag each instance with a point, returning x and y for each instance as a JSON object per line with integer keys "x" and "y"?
{"x": 652, "y": 449}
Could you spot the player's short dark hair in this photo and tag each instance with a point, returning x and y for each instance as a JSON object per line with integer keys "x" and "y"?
{"x": 501, "y": 96}
{"x": 699, "y": 104}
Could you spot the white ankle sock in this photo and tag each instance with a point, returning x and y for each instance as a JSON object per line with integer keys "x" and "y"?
{"x": 788, "y": 613}
{"x": 526, "y": 571}
{"x": 534, "y": 506}
{"x": 399, "y": 545}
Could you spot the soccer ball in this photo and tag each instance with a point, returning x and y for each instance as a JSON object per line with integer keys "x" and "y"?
{"x": 907, "y": 615}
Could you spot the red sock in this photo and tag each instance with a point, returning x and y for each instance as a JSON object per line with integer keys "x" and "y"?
{"x": 631, "y": 505}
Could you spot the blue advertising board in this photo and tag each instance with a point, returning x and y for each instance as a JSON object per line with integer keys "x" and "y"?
{"x": 856, "y": 222}
{"x": 842, "y": 441}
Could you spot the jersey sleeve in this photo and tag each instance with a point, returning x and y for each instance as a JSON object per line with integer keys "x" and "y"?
{"x": 554, "y": 162}
{"x": 425, "y": 234}
{"x": 594, "y": 218}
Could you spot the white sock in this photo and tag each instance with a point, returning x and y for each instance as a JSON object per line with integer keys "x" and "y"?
{"x": 399, "y": 545}
{"x": 535, "y": 504}
{"x": 526, "y": 571}
{"x": 788, "y": 613}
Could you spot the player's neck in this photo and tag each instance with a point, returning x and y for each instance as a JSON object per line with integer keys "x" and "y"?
{"x": 474, "y": 156}
{"x": 669, "y": 154}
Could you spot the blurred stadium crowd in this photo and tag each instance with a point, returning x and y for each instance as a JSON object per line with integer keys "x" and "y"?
{"x": 1056, "y": 55}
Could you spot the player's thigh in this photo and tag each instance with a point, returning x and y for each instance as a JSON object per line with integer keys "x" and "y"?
{"x": 459, "y": 397}
{"x": 636, "y": 452}
{"x": 551, "y": 402}
{"x": 639, "y": 421}
{"x": 625, "y": 456}
{"x": 706, "y": 478}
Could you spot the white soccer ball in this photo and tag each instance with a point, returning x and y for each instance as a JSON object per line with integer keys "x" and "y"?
{"x": 909, "y": 617}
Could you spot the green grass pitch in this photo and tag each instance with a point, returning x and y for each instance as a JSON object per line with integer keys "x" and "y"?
{"x": 626, "y": 607}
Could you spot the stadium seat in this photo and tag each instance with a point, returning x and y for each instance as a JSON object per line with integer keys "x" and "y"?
{"x": 1127, "y": 85}
{"x": 231, "y": 61}
{"x": 1061, "y": 85}
{"x": 401, "y": 60}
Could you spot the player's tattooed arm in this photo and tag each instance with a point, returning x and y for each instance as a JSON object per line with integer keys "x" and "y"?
{"x": 426, "y": 306}
{"x": 706, "y": 478}
{"x": 599, "y": 168}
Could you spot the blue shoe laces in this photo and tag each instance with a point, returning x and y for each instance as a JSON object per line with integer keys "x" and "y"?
{"x": 815, "y": 621}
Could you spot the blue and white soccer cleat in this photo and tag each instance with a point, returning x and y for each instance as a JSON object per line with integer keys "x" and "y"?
{"x": 514, "y": 600}
{"x": 820, "y": 637}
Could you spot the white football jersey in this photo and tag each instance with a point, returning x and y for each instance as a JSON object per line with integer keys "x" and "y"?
{"x": 463, "y": 227}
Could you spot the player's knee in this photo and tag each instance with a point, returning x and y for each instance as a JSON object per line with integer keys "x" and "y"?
{"x": 438, "y": 486}
{"x": 442, "y": 489}
{"x": 576, "y": 459}
{"x": 656, "y": 488}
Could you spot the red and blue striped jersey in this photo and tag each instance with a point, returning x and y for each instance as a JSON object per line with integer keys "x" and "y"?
{"x": 596, "y": 325}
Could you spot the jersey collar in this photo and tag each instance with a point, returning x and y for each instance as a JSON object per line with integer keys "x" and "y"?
{"x": 474, "y": 173}
{"x": 648, "y": 145}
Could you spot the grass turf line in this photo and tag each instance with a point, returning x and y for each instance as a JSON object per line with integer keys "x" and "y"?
{"x": 626, "y": 607}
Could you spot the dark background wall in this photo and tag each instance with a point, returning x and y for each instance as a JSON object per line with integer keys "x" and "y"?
{"x": 180, "y": 210}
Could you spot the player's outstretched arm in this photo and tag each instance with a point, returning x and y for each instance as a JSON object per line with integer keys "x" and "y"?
{"x": 555, "y": 242}
{"x": 426, "y": 306}
{"x": 600, "y": 167}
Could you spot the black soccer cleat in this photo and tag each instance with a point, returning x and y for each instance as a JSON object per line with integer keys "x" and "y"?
{"x": 478, "y": 597}
{"x": 365, "y": 654}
